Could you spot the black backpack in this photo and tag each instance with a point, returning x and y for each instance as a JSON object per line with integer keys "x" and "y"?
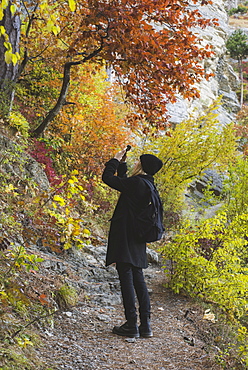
{"x": 149, "y": 221}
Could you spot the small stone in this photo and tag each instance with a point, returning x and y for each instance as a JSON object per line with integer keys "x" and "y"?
{"x": 130, "y": 340}
{"x": 48, "y": 333}
{"x": 69, "y": 314}
{"x": 104, "y": 318}
{"x": 132, "y": 362}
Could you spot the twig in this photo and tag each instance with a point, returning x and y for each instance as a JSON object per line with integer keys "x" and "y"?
{"x": 31, "y": 322}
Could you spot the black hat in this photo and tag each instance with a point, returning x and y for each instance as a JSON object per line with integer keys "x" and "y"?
{"x": 150, "y": 163}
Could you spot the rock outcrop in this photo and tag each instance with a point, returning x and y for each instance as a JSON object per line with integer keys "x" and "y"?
{"x": 19, "y": 165}
{"x": 210, "y": 180}
{"x": 224, "y": 83}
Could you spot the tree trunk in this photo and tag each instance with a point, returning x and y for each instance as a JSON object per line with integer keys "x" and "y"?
{"x": 8, "y": 72}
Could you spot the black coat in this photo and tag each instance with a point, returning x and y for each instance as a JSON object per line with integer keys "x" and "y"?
{"x": 122, "y": 242}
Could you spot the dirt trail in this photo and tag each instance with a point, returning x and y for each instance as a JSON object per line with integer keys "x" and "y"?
{"x": 82, "y": 340}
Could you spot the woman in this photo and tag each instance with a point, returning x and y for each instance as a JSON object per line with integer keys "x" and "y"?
{"x": 124, "y": 248}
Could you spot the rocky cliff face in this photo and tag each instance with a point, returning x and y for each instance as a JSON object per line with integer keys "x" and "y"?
{"x": 229, "y": 4}
{"x": 225, "y": 81}
{"x": 19, "y": 165}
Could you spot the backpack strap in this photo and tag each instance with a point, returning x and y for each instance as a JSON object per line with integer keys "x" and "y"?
{"x": 153, "y": 188}
{"x": 149, "y": 183}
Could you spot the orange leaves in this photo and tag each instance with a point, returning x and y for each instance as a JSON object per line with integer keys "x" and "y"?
{"x": 146, "y": 50}
{"x": 44, "y": 300}
{"x": 149, "y": 44}
{"x": 95, "y": 125}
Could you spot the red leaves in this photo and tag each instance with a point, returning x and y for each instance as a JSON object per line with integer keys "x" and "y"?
{"x": 149, "y": 43}
{"x": 151, "y": 47}
{"x": 44, "y": 300}
{"x": 42, "y": 154}
{"x": 205, "y": 2}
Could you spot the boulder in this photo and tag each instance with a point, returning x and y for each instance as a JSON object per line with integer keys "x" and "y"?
{"x": 209, "y": 180}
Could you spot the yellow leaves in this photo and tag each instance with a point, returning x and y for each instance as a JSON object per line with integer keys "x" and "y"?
{"x": 67, "y": 245}
{"x": 72, "y": 180}
{"x": 9, "y": 188}
{"x": 4, "y": 4}
{"x": 71, "y": 226}
{"x": 3, "y": 295}
{"x": 15, "y": 57}
{"x": 74, "y": 172}
{"x": 23, "y": 341}
{"x": 2, "y": 30}
{"x": 17, "y": 120}
{"x": 12, "y": 9}
{"x": 72, "y": 5}
{"x": 51, "y": 18}
{"x": 59, "y": 199}
{"x": 10, "y": 57}
{"x": 209, "y": 262}
{"x": 73, "y": 233}
{"x": 56, "y": 30}
{"x": 242, "y": 330}
{"x": 9, "y": 191}
{"x": 43, "y": 5}
{"x": 195, "y": 145}
{"x": 86, "y": 232}
{"x": 50, "y": 25}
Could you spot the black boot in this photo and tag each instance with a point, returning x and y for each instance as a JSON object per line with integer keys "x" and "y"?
{"x": 127, "y": 330}
{"x": 145, "y": 328}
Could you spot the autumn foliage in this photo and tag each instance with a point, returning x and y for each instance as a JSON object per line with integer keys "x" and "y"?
{"x": 87, "y": 132}
{"x": 90, "y": 76}
{"x": 149, "y": 45}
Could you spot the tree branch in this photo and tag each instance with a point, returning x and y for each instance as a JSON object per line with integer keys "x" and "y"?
{"x": 64, "y": 89}
{"x": 33, "y": 321}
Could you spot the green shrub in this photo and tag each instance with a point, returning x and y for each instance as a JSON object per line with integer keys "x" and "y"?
{"x": 240, "y": 9}
{"x": 208, "y": 261}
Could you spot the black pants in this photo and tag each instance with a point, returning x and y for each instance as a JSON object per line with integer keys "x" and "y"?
{"x": 132, "y": 281}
